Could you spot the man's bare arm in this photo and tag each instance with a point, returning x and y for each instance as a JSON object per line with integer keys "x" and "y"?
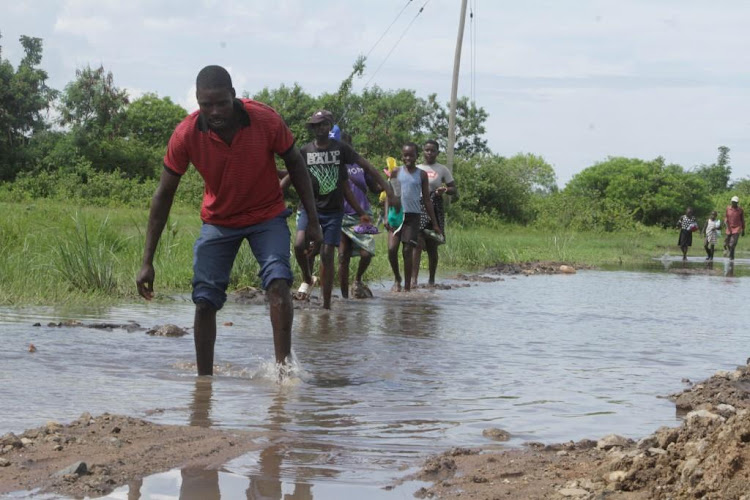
{"x": 300, "y": 179}
{"x": 161, "y": 204}
{"x": 428, "y": 201}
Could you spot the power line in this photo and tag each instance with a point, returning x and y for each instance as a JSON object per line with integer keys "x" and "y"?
{"x": 397, "y": 42}
{"x": 388, "y": 28}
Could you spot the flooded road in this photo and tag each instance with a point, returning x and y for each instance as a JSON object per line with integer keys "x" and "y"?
{"x": 383, "y": 383}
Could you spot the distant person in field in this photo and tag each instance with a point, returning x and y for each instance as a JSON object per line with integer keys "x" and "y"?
{"x": 413, "y": 185}
{"x": 326, "y": 159}
{"x": 734, "y": 221}
{"x": 356, "y": 238}
{"x": 687, "y": 225}
{"x": 232, "y": 143}
{"x": 711, "y": 234}
{"x": 440, "y": 182}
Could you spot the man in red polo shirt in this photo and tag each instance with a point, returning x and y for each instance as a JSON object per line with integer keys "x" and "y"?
{"x": 232, "y": 143}
{"x": 734, "y": 221}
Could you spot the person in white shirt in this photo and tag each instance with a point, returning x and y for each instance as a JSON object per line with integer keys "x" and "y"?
{"x": 440, "y": 181}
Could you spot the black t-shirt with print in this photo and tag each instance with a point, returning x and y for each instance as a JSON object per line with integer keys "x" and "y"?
{"x": 328, "y": 173}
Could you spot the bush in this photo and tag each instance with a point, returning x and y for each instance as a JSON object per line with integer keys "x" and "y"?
{"x": 564, "y": 211}
{"x": 652, "y": 192}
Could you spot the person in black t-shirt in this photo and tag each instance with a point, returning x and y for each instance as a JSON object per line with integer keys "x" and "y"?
{"x": 326, "y": 160}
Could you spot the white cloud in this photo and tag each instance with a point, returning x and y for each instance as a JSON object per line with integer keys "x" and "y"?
{"x": 574, "y": 81}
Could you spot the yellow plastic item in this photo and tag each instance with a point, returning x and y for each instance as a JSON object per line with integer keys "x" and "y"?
{"x": 391, "y": 163}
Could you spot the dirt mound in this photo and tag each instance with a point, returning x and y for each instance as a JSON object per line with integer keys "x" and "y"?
{"x": 537, "y": 267}
{"x": 707, "y": 456}
{"x": 92, "y": 456}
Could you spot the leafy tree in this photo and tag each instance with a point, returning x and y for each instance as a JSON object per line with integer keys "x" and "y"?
{"x": 92, "y": 105}
{"x": 381, "y": 121}
{"x": 152, "y": 120}
{"x": 742, "y": 188}
{"x": 110, "y": 139}
{"x": 469, "y": 126}
{"x": 534, "y": 172}
{"x": 653, "y": 192}
{"x": 503, "y": 187}
{"x": 717, "y": 175}
{"x": 561, "y": 210}
{"x": 24, "y": 97}
{"x": 292, "y": 103}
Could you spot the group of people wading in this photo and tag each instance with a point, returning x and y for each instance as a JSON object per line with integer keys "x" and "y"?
{"x": 734, "y": 227}
{"x": 232, "y": 143}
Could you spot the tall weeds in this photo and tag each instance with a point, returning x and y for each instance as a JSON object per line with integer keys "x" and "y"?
{"x": 86, "y": 261}
{"x": 93, "y": 254}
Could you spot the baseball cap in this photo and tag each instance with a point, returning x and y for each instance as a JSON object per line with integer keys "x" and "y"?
{"x": 320, "y": 116}
{"x": 735, "y": 198}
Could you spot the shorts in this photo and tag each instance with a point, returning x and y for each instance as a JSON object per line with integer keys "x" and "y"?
{"x": 410, "y": 229}
{"x": 330, "y": 223}
{"x": 217, "y": 246}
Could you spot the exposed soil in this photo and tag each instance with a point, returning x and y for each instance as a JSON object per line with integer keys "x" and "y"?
{"x": 537, "y": 267}
{"x": 92, "y": 456}
{"x": 707, "y": 457}
{"x": 250, "y": 295}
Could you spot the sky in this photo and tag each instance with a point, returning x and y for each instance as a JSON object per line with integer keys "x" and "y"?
{"x": 572, "y": 81}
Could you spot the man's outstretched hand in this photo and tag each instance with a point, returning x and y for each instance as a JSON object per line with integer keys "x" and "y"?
{"x": 145, "y": 282}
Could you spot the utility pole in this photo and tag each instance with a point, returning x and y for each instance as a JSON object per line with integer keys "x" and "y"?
{"x": 454, "y": 88}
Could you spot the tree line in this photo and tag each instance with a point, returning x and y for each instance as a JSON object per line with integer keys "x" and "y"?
{"x": 92, "y": 143}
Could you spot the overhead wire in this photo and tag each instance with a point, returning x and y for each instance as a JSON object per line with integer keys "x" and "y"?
{"x": 408, "y": 2}
{"x": 397, "y": 42}
{"x": 377, "y": 42}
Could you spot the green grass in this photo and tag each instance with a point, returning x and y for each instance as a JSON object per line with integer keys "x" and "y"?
{"x": 52, "y": 252}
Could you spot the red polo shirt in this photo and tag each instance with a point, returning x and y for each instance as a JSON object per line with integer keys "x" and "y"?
{"x": 734, "y": 220}
{"x": 241, "y": 183}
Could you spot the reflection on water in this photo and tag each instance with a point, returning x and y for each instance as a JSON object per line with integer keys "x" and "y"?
{"x": 719, "y": 266}
{"x": 385, "y": 382}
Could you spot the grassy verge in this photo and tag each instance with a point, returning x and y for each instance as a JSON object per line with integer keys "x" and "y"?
{"x": 52, "y": 252}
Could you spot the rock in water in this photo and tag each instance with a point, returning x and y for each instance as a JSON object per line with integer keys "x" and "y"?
{"x": 496, "y": 434}
{"x": 167, "y": 331}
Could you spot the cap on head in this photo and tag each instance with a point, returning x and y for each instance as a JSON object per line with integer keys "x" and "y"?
{"x": 321, "y": 116}
{"x": 735, "y": 198}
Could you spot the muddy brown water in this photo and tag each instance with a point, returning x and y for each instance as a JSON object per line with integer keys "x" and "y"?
{"x": 381, "y": 384}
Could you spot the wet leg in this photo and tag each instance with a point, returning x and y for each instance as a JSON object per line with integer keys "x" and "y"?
{"x": 364, "y": 262}
{"x": 204, "y": 335}
{"x": 408, "y": 254}
{"x": 302, "y": 258}
{"x": 344, "y": 257}
{"x": 326, "y": 273}
{"x": 432, "y": 255}
{"x": 393, "y": 242}
{"x": 282, "y": 317}
{"x": 417, "y": 259}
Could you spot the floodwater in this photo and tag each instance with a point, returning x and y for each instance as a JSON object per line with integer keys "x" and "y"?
{"x": 383, "y": 383}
